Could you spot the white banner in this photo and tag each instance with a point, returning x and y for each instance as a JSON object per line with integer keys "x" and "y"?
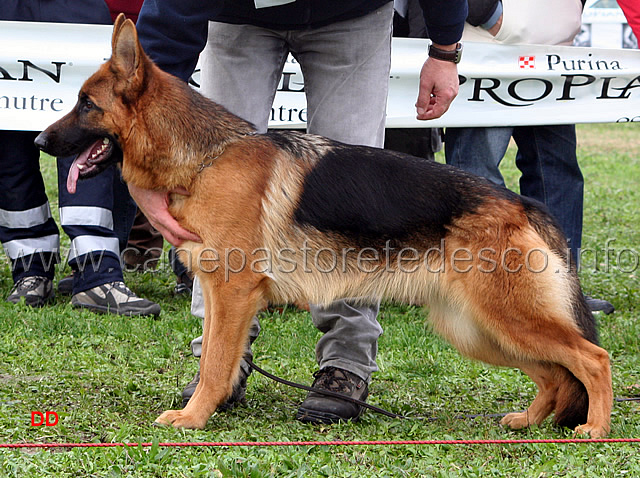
{"x": 43, "y": 65}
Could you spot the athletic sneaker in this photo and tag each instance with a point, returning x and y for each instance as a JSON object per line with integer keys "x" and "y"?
{"x": 318, "y": 408}
{"x": 36, "y": 290}
{"x": 114, "y": 298}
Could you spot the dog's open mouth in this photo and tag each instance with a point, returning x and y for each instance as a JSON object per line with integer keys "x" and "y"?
{"x": 90, "y": 162}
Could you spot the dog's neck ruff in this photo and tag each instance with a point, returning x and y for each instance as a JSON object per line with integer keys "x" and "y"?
{"x": 206, "y": 164}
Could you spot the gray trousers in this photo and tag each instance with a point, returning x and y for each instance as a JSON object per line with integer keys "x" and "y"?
{"x": 346, "y": 70}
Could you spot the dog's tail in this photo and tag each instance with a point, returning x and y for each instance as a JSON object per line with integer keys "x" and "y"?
{"x": 572, "y": 401}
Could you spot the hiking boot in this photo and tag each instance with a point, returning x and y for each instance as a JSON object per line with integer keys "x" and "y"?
{"x": 237, "y": 395}
{"x": 114, "y": 298}
{"x": 65, "y": 285}
{"x": 318, "y": 408}
{"x": 36, "y": 290}
{"x": 599, "y": 305}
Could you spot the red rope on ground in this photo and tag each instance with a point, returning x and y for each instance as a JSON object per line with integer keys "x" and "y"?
{"x": 322, "y": 443}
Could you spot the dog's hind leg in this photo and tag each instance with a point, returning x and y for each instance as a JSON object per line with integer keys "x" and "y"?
{"x": 537, "y": 334}
{"x": 459, "y": 327}
{"x": 229, "y": 307}
{"x": 590, "y": 365}
{"x": 546, "y": 378}
{"x": 556, "y": 342}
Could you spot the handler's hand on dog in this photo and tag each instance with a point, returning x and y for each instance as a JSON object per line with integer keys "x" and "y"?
{"x": 438, "y": 87}
{"x": 155, "y": 205}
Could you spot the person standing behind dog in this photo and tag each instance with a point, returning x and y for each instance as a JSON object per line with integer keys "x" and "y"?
{"x": 343, "y": 48}
{"x": 97, "y": 218}
{"x": 546, "y": 154}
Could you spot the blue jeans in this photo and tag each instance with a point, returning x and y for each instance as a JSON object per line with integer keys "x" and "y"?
{"x": 546, "y": 158}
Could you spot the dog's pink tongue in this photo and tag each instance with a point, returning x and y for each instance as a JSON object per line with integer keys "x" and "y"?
{"x": 79, "y": 163}
{"x": 72, "y": 177}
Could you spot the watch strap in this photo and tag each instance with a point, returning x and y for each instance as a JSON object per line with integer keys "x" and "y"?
{"x": 453, "y": 56}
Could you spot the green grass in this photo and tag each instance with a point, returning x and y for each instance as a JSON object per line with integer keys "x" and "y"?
{"x": 109, "y": 377}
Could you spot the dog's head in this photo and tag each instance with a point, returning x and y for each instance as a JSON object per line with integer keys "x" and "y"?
{"x": 94, "y": 130}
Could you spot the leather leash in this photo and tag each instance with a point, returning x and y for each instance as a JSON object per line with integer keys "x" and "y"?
{"x": 382, "y": 411}
{"x": 322, "y": 392}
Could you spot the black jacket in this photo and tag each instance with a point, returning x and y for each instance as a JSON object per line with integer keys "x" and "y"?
{"x": 173, "y": 33}
{"x": 59, "y": 11}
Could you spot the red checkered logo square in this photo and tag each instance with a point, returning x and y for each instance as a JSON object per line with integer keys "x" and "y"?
{"x": 527, "y": 62}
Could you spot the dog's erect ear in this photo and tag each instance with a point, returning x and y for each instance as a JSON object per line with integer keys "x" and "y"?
{"x": 117, "y": 24}
{"x": 126, "y": 51}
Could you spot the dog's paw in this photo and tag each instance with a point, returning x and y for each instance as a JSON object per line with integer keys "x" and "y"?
{"x": 594, "y": 431}
{"x": 179, "y": 419}
{"x": 516, "y": 420}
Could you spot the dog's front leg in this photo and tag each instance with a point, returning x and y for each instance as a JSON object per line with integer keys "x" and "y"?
{"x": 229, "y": 308}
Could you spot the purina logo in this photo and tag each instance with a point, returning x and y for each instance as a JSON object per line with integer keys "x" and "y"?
{"x": 527, "y": 62}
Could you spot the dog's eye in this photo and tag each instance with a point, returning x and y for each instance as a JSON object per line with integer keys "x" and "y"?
{"x": 86, "y": 104}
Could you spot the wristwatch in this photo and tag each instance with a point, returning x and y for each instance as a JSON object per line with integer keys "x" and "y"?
{"x": 446, "y": 55}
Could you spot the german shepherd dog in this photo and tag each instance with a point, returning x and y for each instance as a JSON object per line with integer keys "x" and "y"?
{"x": 287, "y": 216}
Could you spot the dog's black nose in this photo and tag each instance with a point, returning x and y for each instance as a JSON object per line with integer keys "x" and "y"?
{"x": 42, "y": 141}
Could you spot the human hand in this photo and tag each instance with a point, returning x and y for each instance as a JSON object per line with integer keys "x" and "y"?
{"x": 155, "y": 205}
{"x": 439, "y": 85}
